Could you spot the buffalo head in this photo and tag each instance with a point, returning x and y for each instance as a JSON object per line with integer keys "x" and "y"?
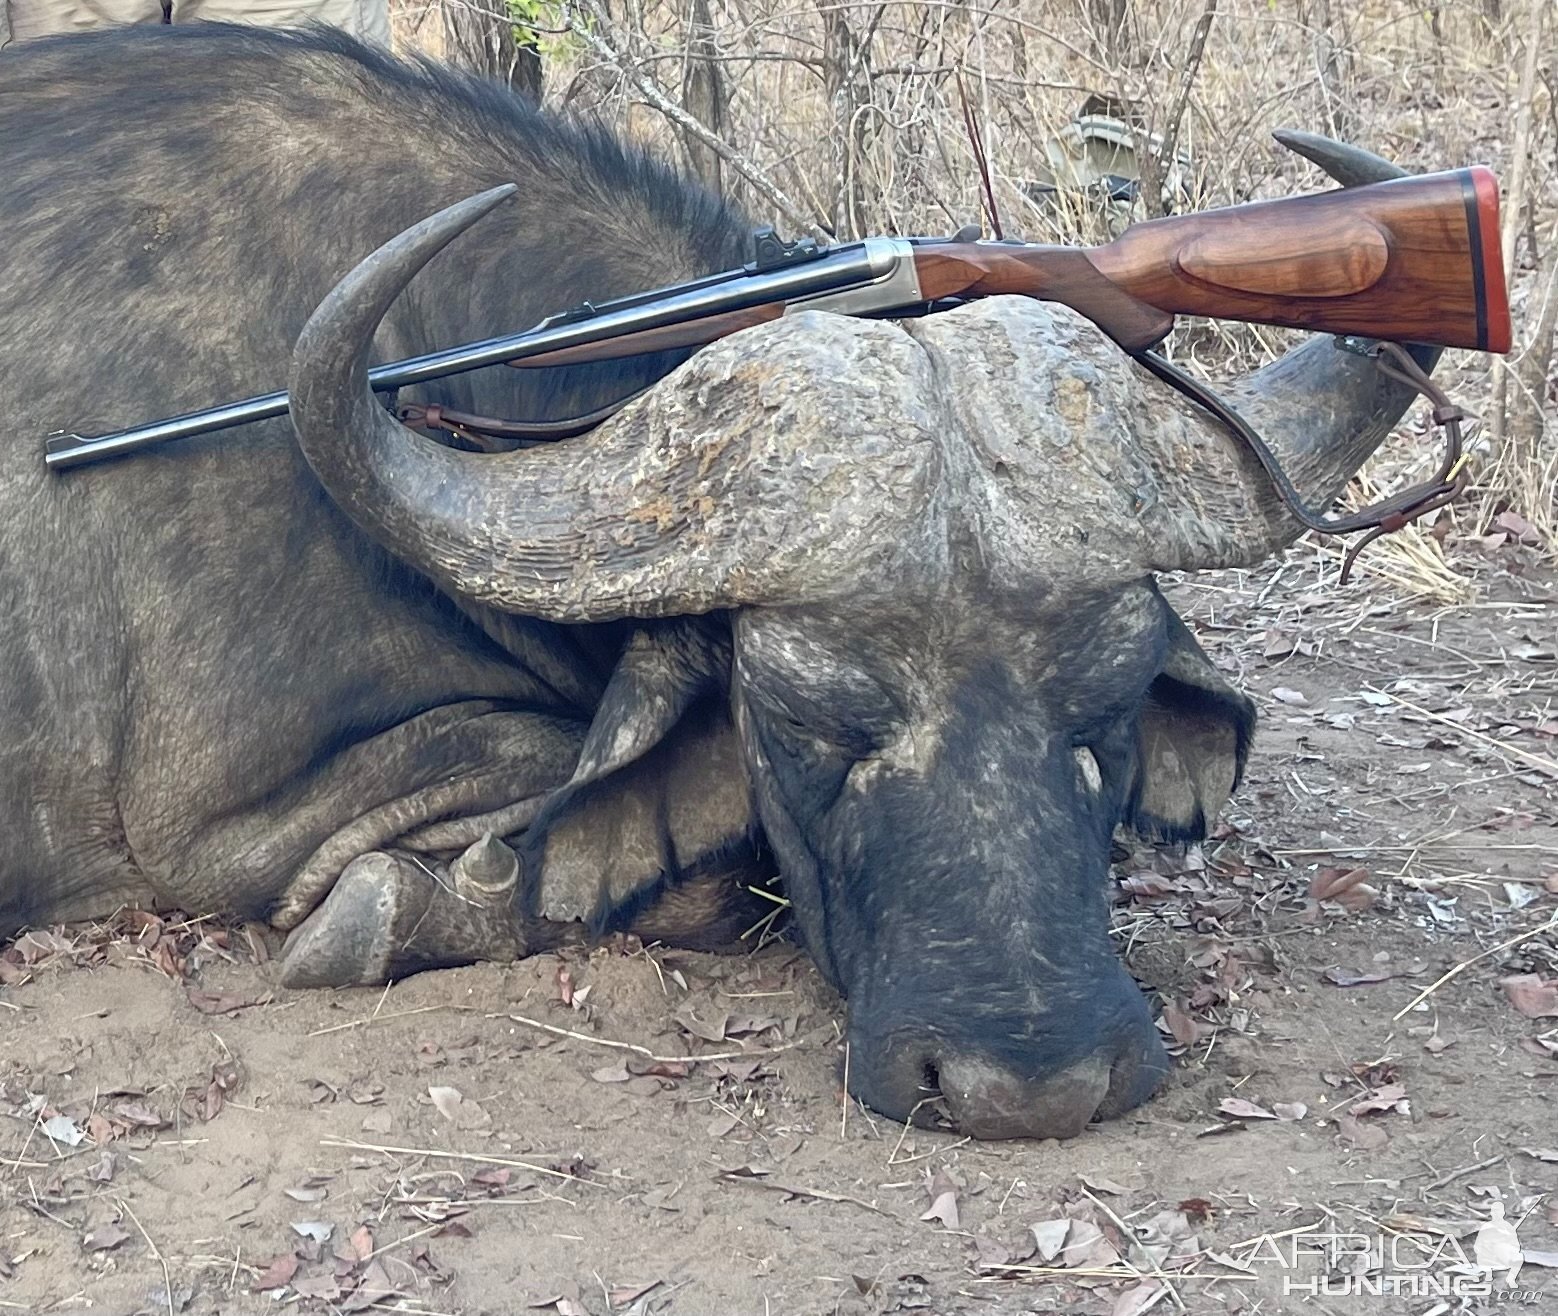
{"x": 949, "y": 672}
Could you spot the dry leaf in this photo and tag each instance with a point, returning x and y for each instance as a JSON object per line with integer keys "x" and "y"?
{"x": 1348, "y": 888}
{"x": 944, "y": 1209}
{"x": 1285, "y": 695}
{"x": 138, "y": 1116}
{"x": 1182, "y": 1028}
{"x": 1196, "y": 1209}
{"x": 1290, "y": 1110}
{"x": 1549, "y": 1154}
{"x": 105, "y": 1237}
{"x": 374, "y": 1286}
{"x": 1050, "y": 1236}
{"x": 1530, "y": 995}
{"x": 355, "y": 1248}
{"x": 278, "y": 1274}
{"x": 1147, "y": 885}
{"x": 1101, "y": 1185}
{"x": 710, "y": 1030}
{"x": 1088, "y": 1248}
{"x": 219, "y": 1002}
{"x": 318, "y": 1286}
{"x": 617, "y": 1073}
{"x": 1517, "y": 527}
{"x": 462, "y": 1112}
{"x": 943, "y": 1200}
{"x": 1392, "y": 1096}
{"x": 446, "y": 1100}
{"x": 62, "y": 1129}
{"x": 1241, "y": 1109}
{"x": 1139, "y": 1298}
{"x": 376, "y": 1121}
{"x": 318, "y": 1230}
{"x": 39, "y": 944}
{"x": 628, "y": 1294}
{"x": 307, "y": 1193}
{"x": 103, "y": 1171}
{"x": 206, "y": 1103}
{"x": 1365, "y": 1137}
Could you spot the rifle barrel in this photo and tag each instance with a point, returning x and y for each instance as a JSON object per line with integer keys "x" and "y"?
{"x": 858, "y": 264}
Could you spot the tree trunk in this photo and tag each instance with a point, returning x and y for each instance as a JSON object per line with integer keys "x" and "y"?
{"x": 704, "y": 94}
{"x": 1110, "y": 24}
{"x": 480, "y": 35}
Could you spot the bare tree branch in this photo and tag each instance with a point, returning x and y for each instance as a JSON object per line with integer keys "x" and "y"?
{"x": 657, "y": 96}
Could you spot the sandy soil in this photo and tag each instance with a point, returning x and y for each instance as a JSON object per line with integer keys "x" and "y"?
{"x": 177, "y": 1134}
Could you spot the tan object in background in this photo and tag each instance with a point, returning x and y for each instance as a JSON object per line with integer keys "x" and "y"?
{"x": 23, "y": 20}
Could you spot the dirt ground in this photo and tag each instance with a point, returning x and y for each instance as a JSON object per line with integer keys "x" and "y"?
{"x": 178, "y": 1134}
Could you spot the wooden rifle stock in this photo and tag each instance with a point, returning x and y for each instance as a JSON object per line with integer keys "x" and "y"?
{"x": 1411, "y": 260}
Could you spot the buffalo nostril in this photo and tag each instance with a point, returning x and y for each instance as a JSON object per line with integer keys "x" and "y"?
{"x": 987, "y": 1100}
{"x": 1138, "y": 1071}
{"x": 919, "y": 1101}
{"x": 1045, "y": 1076}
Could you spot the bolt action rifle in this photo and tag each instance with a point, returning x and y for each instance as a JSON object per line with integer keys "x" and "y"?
{"x": 1414, "y": 260}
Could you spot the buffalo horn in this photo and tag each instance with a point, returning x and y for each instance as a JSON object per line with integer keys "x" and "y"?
{"x": 1321, "y": 409}
{"x": 687, "y": 502}
{"x": 553, "y": 532}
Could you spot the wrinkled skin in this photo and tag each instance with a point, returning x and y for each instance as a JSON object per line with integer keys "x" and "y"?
{"x": 813, "y": 600}
{"x": 1001, "y": 747}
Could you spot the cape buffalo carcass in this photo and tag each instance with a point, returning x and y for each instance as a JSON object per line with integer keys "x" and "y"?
{"x": 876, "y": 600}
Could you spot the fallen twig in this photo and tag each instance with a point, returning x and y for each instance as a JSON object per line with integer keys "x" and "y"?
{"x": 167, "y": 1275}
{"x": 1127, "y": 1234}
{"x": 644, "y": 1051}
{"x": 1461, "y": 1173}
{"x": 376, "y": 1017}
{"x": 1457, "y": 970}
{"x": 820, "y": 1194}
{"x": 1105, "y": 1272}
{"x": 1538, "y": 761}
{"x": 351, "y": 1145}
{"x": 421, "y": 1233}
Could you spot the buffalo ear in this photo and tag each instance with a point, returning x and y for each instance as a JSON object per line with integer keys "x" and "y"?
{"x": 660, "y": 791}
{"x": 1192, "y": 737}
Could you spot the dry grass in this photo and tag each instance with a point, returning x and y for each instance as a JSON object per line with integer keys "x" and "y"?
{"x": 845, "y": 118}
